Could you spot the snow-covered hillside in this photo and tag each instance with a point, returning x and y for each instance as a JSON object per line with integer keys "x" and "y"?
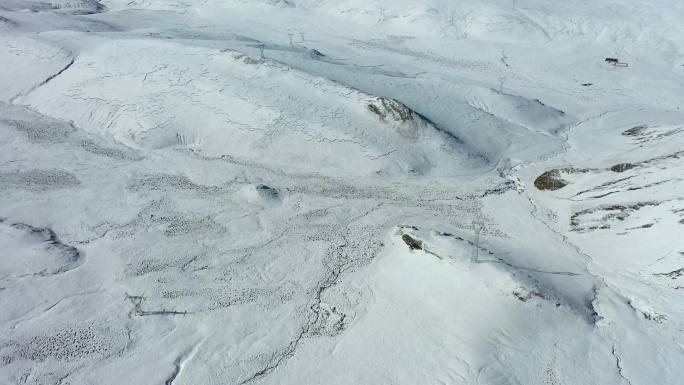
{"x": 341, "y": 192}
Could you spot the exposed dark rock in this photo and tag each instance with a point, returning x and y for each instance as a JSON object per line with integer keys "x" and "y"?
{"x": 609, "y": 213}
{"x": 635, "y": 131}
{"x": 502, "y": 188}
{"x": 526, "y": 296}
{"x": 622, "y": 167}
{"x": 550, "y": 180}
{"x": 389, "y": 108}
{"x": 413, "y": 244}
{"x": 672, "y": 275}
{"x": 267, "y": 191}
{"x": 316, "y": 54}
{"x": 658, "y": 318}
{"x": 409, "y": 227}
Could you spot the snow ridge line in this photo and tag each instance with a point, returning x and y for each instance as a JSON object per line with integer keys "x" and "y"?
{"x": 618, "y": 364}
{"x": 44, "y": 82}
{"x": 58, "y": 73}
{"x": 179, "y": 363}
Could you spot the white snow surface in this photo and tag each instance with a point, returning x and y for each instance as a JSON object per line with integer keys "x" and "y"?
{"x": 341, "y": 192}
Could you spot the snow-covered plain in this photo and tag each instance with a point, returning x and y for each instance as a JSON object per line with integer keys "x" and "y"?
{"x": 341, "y": 192}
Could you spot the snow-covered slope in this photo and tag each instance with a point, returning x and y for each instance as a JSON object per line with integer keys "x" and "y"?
{"x": 222, "y": 102}
{"x": 341, "y": 192}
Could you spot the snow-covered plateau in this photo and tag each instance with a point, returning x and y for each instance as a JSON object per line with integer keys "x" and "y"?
{"x": 342, "y": 192}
